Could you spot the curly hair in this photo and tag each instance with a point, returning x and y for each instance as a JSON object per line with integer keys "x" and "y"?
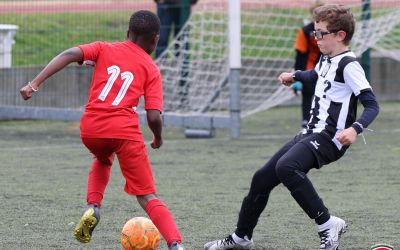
{"x": 144, "y": 23}
{"x": 338, "y": 17}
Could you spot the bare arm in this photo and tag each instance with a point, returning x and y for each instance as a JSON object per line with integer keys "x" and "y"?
{"x": 155, "y": 124}
{"x": 56, "y": 64}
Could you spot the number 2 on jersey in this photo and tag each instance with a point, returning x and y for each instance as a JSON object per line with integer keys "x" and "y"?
{"x": 114, "y": 72}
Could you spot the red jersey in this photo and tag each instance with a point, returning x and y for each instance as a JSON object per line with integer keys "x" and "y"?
{"x": 123, "y": 73}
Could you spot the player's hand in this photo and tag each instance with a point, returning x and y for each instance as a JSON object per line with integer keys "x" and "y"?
{"x": 347, "y": 136}
{"x": 156, "y": 143}
{"x": 26, "y": 92}
{"x": 286, "y": 78}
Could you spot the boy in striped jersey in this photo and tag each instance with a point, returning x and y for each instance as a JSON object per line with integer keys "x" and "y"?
{"x": 332, "y": 128}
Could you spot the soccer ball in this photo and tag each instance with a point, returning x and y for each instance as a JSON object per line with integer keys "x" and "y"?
{"x": 139, "y": 233}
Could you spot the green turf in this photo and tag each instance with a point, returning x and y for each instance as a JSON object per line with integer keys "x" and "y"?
{"x": 44, "y": 168}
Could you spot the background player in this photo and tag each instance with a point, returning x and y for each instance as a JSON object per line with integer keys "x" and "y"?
{"x": 332, "y": 129}
{"x": 307, "y": 56}
{"x": 124, "y": 71}
{"x": 170, "y": 14}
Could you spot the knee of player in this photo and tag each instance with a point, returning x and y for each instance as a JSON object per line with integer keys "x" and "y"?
{"x": 285, "y": 168}
{"x": 262, "y": 183}
{"x": 105, "y": 161}
{"x": 145, "y": 199}
{"x": 258, "y": 176}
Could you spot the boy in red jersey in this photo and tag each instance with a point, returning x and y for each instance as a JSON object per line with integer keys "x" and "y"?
{"x": 124, "y": 71}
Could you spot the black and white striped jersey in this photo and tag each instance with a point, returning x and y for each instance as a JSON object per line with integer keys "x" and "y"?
{"x": 340, "y": 80}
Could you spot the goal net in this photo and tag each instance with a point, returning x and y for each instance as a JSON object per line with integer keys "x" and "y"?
{"x": 195, "y": 66}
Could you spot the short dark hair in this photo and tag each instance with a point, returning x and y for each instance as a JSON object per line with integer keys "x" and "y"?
{"x": 338, "y": 18}
{"x": 144, "y": 23}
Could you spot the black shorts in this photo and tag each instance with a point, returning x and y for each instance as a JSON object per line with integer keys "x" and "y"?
{"x": 322, "y": 146}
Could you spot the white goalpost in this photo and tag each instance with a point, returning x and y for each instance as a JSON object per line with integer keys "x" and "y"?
{"x": 235, "y": 64}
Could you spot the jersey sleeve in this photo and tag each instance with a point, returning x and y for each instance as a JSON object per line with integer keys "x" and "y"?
{"x": 354, "y": 77}
{"x": 153, "y": 92}
{"x": 91, "y": 51}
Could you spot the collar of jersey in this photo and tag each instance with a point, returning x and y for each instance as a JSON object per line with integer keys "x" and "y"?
{"x": 137, "y": 47}
{"x": 344, "y": 52}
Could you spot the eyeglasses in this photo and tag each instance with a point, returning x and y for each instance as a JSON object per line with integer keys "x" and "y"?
{"x": 320, "y": 34}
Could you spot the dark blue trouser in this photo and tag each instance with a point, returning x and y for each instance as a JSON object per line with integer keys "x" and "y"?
{"x": 169, "y": 15}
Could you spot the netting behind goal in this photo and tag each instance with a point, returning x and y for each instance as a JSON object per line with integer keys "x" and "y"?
{"x": 195, "y": 66}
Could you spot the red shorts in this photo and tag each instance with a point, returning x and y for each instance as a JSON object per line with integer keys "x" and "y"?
{"x": 133, "y": 160}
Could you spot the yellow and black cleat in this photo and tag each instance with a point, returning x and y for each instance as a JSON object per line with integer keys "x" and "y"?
{"x": 90, "y": 219}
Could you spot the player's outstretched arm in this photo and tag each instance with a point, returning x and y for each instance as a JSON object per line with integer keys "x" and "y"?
{"x": 56, "y": 64}
{"x": 155, "y": 124}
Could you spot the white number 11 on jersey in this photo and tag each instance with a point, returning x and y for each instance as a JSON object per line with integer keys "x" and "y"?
{"x": 114, "y": 72}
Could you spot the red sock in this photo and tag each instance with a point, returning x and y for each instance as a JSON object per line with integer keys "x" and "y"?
{"x": 97, "y": 182}
{"x": 163, "y": 220}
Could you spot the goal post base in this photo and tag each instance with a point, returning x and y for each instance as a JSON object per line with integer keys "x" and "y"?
{"x": 199, "y": 133}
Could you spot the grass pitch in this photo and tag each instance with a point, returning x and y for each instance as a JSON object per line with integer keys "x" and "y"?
{"x": 44, "y": 169}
